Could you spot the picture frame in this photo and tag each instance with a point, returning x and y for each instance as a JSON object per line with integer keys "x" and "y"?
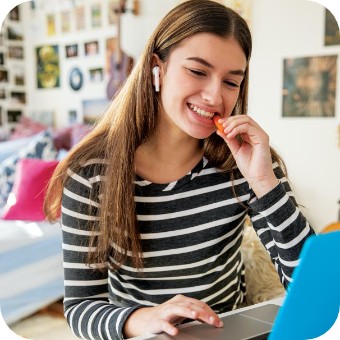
{"x": 309, "y": 86}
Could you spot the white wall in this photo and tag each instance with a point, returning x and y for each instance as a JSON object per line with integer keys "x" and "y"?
{"x": 309, "y": 146}
{"x": 281, "y": 29}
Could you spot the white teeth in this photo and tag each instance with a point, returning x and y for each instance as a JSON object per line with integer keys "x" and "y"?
{"x": 201, "y": 112}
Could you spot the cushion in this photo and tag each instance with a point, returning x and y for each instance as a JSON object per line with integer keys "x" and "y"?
{"x": 25, "y": 202}
{"x": 27, "y": 127}
{"x": 62, "y": 138}
{"x": 40, "y": 147}
{"x": 7, "y": 148}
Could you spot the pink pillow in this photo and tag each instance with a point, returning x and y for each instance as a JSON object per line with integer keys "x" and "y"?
{"x": 25, "y": 202}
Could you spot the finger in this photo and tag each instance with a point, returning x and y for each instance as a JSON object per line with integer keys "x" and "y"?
{"x": 168, "y": 328}
{"x": 242, "y": 119}
{"x": 177, "y": 311}
{"x": 205, "y": 313}
{"x": 249, "y": 133}
{"x": 234, "y": 121}
{"x": 232, "y": 143}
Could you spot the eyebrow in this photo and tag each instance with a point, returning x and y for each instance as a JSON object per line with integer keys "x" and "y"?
{"x": 207, "y": 64}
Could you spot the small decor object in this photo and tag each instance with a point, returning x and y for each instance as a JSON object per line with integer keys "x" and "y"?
{"x": 76, "y": 79}
{"x": 309, "y": 86}
{"x": 48, "y": 72}
{"x": 332, "y": 32}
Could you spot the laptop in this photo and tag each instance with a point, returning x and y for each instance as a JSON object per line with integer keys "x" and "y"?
{"x": 309, "y": 310}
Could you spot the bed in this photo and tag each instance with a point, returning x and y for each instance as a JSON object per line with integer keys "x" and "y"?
{"x": 31, "y": 273}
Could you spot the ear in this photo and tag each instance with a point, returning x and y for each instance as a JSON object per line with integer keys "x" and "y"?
{"x": 156, "y": 62}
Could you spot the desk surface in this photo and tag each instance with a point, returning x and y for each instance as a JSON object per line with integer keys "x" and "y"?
{"x": 277, "y": 301}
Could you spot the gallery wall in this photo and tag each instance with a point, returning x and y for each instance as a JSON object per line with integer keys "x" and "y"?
{"x": 284, "y": 29}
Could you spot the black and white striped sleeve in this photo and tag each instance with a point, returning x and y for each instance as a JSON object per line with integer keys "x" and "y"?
{"x": 88, "y": 311}
{"x": 281, "y": 226}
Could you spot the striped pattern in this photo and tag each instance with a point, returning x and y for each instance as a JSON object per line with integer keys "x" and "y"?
{"x": 191, "y": 233}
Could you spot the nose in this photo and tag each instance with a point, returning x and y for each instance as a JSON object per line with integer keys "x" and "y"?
{"x": 212, "y": 92}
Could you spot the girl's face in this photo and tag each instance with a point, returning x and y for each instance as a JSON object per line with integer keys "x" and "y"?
{"x": 201, "y": 77}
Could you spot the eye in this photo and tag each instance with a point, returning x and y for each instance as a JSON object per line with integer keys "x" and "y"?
{"x": 231, "y": 84}
{"x": 195, "y": 72}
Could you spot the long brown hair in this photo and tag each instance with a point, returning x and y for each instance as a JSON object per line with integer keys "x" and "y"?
{"x": 129, "y": 121}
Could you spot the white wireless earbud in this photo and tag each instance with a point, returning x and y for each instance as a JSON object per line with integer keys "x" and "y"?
{"x": 155, "y": 72}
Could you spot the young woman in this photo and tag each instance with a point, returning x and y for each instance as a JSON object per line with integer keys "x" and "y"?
{"x": 153, "y": 200}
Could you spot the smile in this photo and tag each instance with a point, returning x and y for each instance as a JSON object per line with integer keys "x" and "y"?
{"x": 201, "y": 112}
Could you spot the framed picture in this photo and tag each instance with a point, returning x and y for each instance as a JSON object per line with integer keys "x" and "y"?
{"x": 92, "y": 109}
{"x": 3, "y": 76}
{"x": 18, "y": 97}
{"x": 309, "y": 86}
{"x": 65, "y": 17}
{"x": 96, "y": 74}
{"x": 50, "y": 25}
{"x": 332, "y": 33}
{"x": 18, "y": 76}
{"x": 80, "y": 17}
{"x": 71, "y": 51}
{"x": 13, "y": 116}
{"x": 14, "y": 33}
{"x": 15, "y": 52}
{"x": 2, "y": 94}
{"x": 72, "y": 116}
{"x": 91, "y": 48}
{"x": 96, "y": 15}
{"x": 14, "y": 14}
{"x": 48, "y": 71}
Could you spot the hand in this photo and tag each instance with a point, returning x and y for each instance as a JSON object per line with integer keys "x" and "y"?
{"x": 252, "y": 155}
{"x": 162, "y": 318}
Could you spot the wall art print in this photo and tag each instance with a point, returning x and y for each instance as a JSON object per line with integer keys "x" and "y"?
{"x": 48, "y": 71}
{"x": 309, "y": 86}
{"x": 332, "y": 33}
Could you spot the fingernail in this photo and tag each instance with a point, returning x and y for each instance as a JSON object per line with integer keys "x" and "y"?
{"x": 211, "y": 319}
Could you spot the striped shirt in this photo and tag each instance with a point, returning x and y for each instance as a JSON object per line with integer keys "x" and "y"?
{"x": 191, "y": 232}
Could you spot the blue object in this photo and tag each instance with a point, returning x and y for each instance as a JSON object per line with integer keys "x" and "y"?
{"x": 313, "y": 299}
